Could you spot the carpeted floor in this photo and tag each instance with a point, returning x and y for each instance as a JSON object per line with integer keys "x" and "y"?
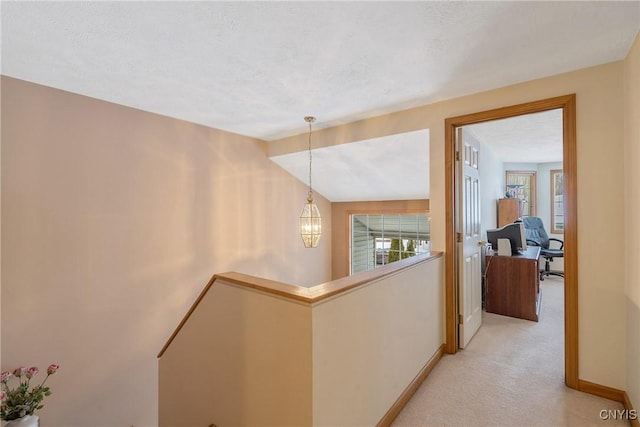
{"x": 510, "y": 374}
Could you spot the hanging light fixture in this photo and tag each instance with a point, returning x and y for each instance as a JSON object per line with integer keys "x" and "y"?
{"x": 310, "y": 220}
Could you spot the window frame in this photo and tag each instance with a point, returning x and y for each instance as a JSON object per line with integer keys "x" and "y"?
{"x": 375, "y": 212}
{"x": 555, "y": 188}
{"x": 532, "y": 200}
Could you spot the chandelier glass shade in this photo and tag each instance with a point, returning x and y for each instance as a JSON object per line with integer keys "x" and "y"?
{"x": 310, "y": 219}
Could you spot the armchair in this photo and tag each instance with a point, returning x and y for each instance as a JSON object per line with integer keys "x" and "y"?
{"x": 537, "y": 236}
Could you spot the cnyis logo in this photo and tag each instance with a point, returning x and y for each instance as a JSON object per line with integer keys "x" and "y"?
{"x": 619, "y": 414}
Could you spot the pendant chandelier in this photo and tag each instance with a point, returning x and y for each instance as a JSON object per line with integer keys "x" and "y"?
{"x": 310, "y": 220}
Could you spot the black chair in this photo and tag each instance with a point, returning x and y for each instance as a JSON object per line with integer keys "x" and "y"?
{"x": 537, "y": 236}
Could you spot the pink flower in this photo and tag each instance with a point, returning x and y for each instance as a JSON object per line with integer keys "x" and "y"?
{"x": 52, "y": 369}
{"x": 20, "y": 371}
{"x": 32, "y": 371}
{"x": 3, "y": 396}
{"x": 5, "y": 376}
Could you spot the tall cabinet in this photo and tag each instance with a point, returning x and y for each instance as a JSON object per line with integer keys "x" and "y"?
{"x": 508, "y": 211}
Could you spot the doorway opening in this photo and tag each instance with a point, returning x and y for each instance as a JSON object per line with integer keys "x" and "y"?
{"x": 568, "y": 106}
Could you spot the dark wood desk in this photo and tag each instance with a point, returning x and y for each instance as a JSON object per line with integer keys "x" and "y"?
{"x": 512, "y": 284}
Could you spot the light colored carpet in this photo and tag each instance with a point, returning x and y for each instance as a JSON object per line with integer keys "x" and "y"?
{"x": 510, "y": 374}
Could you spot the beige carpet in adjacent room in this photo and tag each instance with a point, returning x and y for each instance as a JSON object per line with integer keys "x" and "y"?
{"x": 510, "y": 374}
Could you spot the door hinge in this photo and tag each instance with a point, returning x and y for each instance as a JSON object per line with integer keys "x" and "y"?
{"x": 458, "y": 237}
{"x": 457, "y": 156}
{"x": 460, "y": 319}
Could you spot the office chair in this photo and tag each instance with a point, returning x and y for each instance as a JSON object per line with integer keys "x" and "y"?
{"x": 537, "y": 236}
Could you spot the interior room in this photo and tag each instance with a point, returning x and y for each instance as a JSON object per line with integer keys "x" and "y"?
{"x": 155, "y": 161}
{"x": 520, "y": 157}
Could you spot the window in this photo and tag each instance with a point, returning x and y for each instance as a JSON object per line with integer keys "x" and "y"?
{"x": 522, "y": 185}
{"x": 380, "y": 239}
{"x": 557, "y": 202}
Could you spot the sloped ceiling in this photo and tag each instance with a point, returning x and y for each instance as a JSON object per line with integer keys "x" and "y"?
{"x": 391, "y": 168}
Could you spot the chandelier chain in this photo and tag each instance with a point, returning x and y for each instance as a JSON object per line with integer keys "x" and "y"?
{"x": 310, "y": 119}
{"x": 310, "y": 160}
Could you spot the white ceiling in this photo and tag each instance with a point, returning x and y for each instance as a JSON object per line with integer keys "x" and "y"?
{"x": 396, "y": 167}
{"x": 531, "y": 138}
{"x": 390, "y": 168}
{"x": 257, "y": 68}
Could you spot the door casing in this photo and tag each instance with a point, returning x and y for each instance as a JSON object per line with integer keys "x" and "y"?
{"x": 568, "y": 105}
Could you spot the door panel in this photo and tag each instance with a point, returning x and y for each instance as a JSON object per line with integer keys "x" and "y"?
{"x": 469, "y": 247}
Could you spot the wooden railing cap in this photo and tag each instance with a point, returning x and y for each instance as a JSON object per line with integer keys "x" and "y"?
{"x": 303, "y": 294}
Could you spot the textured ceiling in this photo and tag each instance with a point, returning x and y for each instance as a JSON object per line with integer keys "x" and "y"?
{"x": 391, "y": 168}
{"x": 396, "y": 167}
{"x": 532, "y": 138}
{"x": 257, "y": 68}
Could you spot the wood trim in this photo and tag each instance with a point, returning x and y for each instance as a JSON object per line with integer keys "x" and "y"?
{"x": 186, "y": 316}
{"x": 601, "y": 391}
{"x": 377, "y": 209}
{"x": 570, "y": 177}
{"x": 609, "y": 393}
{"x": 626, "y": 401}
{"x": 568, "y": 105}
{"x": 302, "y": 294}
{"x": 533, "y": 191}
{"x": 372, "y": 207}
{"x": 450, "y": 270}
{"x": 552, "y": 201}
{"x": 326, "y": 290}
{"x": 411, "y": 389}
{"x": 513, "y": 110}
{"x": 372, "y": 211}
{"x": 628, "y": 406}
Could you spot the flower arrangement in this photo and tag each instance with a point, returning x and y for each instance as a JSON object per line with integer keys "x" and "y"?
{"x": 21, "y": 401}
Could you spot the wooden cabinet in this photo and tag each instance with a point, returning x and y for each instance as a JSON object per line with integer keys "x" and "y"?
{"x": 508, "y": 211}
{"x": 512, "y": 284}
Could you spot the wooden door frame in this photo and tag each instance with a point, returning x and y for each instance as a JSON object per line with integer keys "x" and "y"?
{"x": 568, "y": 105}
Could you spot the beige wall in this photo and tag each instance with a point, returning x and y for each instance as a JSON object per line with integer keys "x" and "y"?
{"x": 632, "y": 226}
{"x": 113, "y": 221}
{"x": 599, "y": 91}
{"x": 369, "y": 344}
{"x": 340, "y": 226}
{"x": 248, "y": 357}
{"x": 242, "y": 358}
{"x": 1, "y": 85}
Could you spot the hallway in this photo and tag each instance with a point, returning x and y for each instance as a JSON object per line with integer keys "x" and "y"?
{"x": 511, "y": 374}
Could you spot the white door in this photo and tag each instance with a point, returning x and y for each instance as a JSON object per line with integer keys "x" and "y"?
{"x": 469, "y": 245}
